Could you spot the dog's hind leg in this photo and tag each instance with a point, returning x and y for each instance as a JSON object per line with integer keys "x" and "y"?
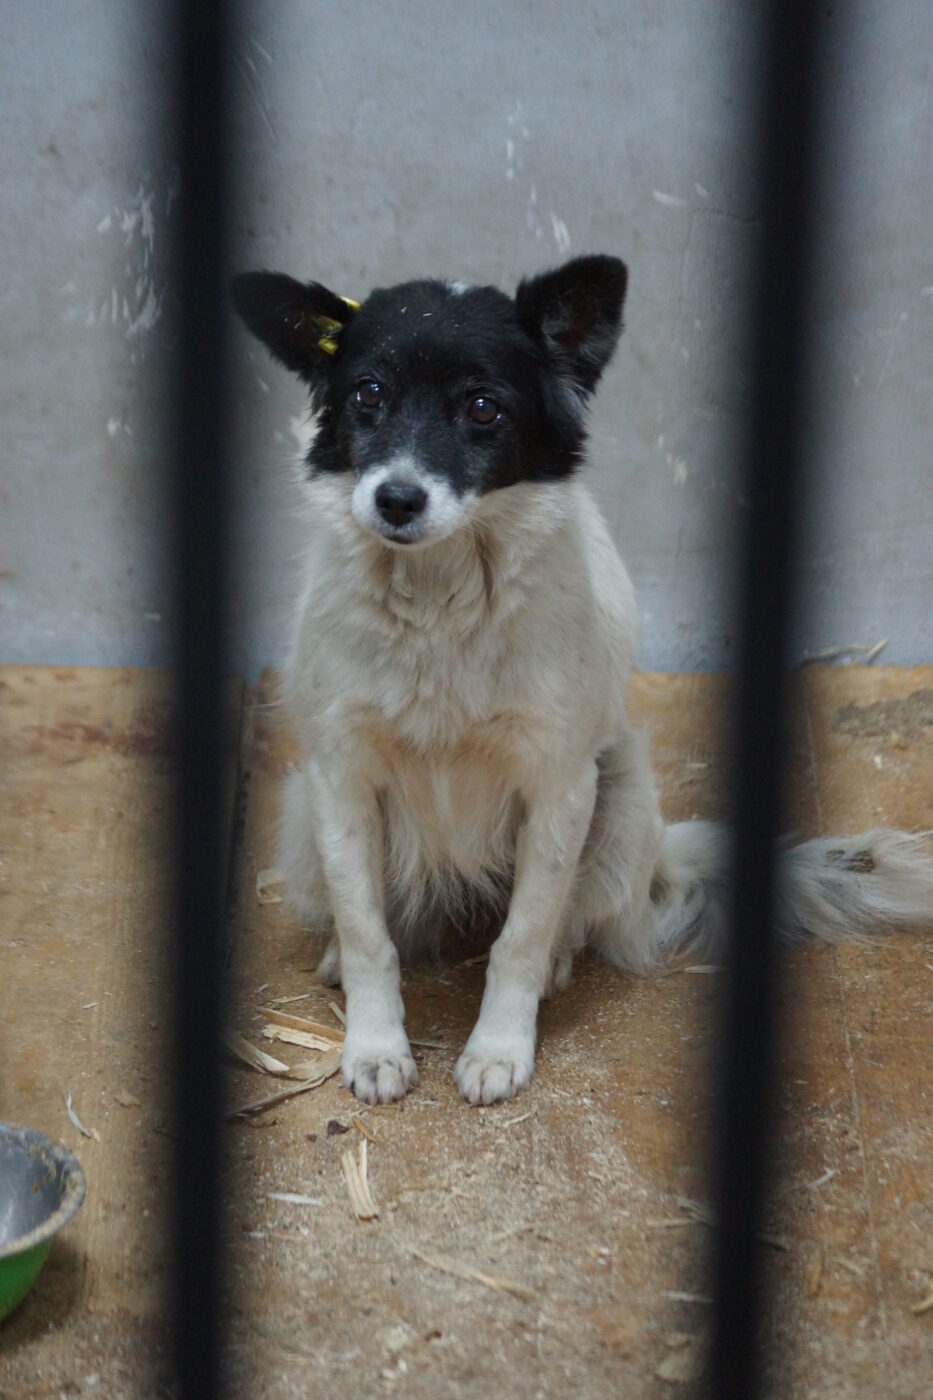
{"x": 499, "y": 1056}
{"x": 621, "y": 855}
{"x": 300, "y": 859}
{"x": 328, "y": 969}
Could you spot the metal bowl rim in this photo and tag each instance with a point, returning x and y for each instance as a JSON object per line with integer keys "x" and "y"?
{"x": 72, "y": 1196}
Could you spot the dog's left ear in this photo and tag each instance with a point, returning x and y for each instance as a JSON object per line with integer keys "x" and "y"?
{"x": 576, "y": 313}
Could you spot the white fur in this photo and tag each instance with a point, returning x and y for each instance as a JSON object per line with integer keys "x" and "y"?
{"x": 467, "y": 750}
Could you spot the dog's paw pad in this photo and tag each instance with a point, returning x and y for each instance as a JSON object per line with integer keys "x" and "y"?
{"x": 491, "y": 1078}
{"x": 380, "y": 1078}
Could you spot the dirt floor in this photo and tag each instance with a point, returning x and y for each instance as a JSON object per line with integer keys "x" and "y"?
{"x": 551, "y": 1246}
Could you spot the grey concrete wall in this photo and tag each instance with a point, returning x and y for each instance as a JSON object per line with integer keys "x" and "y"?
{"x": 485, "y": 141}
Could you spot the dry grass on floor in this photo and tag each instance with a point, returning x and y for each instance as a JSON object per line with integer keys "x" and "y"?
{"x": 548, "y": 1246}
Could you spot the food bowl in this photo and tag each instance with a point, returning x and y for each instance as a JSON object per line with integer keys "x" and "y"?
{"x": 41, "y": 1188}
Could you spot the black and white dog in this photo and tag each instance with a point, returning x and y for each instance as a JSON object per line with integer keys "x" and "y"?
{"x": 458, "y": 678}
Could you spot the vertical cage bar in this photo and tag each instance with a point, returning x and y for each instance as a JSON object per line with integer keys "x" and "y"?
{"x": 199, "y": 444}
{"x": 774, "y": 451}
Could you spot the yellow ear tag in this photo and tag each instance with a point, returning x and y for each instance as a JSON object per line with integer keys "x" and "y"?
{"x": 328, "y": 325}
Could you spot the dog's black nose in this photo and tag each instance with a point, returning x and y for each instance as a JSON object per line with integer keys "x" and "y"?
{"x": 398, "y": 502}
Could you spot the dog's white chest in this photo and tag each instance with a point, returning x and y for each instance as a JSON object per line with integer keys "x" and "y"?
{"x": 452, "y": 809}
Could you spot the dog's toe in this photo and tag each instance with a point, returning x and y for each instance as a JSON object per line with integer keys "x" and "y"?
{"x": 380, "y": 1078}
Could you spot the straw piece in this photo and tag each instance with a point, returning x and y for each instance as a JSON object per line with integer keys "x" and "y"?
{"x": 813, "y": 1273}
{"x": 355, "y": 1175}
{"x": 318, "y": 1069}
{"x": 309, "y": 1075}
{"x": 701, "y": 1214}
{"x": 775, "y": 1241}
{"x": 260, "y": 1105}
{"x": 926, "y": 1302}
{"x": 301, "y": 1023}
{"x": 269, "y": 886}
{"x": 676, "y": 1296}
{"x": 241, "y": 1049}
{"x": 686, "y": 1361}
{"x": 460, "y": 1269}
{"x": 337, "y": 1012}
{"x": 309, "y": 1040}
{"x": 294, "y": 1198}
{"x": 361, "y": 1127}
{"x": 85, "y": 1132}
{"x": 697, "y": 1209}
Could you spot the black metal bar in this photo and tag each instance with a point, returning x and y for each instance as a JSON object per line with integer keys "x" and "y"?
{"x": 202, "y": 413}
{"x": 774, "y": 445}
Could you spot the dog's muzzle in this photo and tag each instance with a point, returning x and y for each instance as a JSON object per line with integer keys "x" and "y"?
{"x": 399, "y": 503}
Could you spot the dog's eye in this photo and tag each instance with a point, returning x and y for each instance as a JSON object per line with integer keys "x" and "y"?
{"x": 483, "y": 410}
{"x": 369, "y": 393}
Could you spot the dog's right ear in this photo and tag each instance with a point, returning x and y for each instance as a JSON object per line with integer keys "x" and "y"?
{"x": 299, "y": 322}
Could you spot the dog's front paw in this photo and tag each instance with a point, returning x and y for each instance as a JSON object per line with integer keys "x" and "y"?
{"x": 490, "y": 1071}
{"x": 379, "y": 1075}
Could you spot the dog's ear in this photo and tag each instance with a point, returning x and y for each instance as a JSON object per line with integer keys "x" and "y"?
{"x": 298, "y": 322}
{"x": 575, "y": 312}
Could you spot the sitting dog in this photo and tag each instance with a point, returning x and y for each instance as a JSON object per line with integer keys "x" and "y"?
{"x": 464, "y": 641}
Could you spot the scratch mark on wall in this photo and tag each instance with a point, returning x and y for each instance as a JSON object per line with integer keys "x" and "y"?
{"x": 255, "y": 86}
{"x": 894, "y": 334}
{"x": 263, "y": 53}
{"x": 670, "y": 201}
{"x": 561, "y": 234}
{"x": 516, "y": 147}
{"x": 146, "y": 317}
{"x": 140, "y": 309}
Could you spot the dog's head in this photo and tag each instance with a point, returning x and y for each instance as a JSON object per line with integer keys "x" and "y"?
{"x": 432, "y": 394}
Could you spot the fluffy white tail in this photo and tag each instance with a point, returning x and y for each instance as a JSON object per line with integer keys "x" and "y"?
{"x": 849, "y": 887}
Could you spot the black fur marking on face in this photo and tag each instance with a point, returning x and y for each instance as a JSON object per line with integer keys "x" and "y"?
{"x": 475, "y": 387}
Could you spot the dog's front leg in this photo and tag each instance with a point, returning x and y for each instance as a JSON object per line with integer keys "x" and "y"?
{"x": 500, "y": 1054}
{"x": 377, "y": 1060}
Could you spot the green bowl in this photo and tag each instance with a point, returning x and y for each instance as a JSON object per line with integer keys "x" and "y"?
{"x": 41, "y": 1187}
